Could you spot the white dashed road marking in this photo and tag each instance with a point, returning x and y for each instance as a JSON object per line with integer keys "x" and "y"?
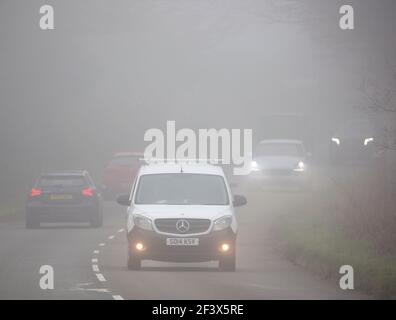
{"x": 95, "y": 268}
{"x": 100, "y": 277}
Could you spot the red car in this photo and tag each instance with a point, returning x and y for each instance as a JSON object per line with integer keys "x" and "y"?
{"x": 119, "y": 173}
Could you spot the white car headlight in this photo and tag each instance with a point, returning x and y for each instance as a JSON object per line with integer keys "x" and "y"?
{"x": 222, "y": 223}
{"x": 254, "y": 165}
{"x": 300, "y": 166}
{"x": 366, "y": 141}
{"x": 143, "y": 222}
{"x": 336, "y": 140}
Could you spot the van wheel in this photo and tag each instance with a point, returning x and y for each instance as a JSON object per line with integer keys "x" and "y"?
{"x": 228, "y": 263}
{"x": 32, "y": 222}
{"x": 134, "y": 263}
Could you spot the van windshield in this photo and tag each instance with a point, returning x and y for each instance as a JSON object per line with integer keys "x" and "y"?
{"x": 182, "y": 189}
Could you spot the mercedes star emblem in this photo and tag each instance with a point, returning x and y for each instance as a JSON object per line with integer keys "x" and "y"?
{"x": 182, "y": 226}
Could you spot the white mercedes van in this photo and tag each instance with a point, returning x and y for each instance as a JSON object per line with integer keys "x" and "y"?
{"x": 181, "y": 212}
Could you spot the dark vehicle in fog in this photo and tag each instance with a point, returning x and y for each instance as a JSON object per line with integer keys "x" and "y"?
{"x": 119, "y": 173}
{"x": 281, "y": 162}
{"x": 64, "y": 196}
{"x": 353, "y": 142}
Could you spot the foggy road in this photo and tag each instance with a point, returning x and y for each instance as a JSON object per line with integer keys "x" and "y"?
{"x": 273, "y": 89}
{"x": 91, "y": 263}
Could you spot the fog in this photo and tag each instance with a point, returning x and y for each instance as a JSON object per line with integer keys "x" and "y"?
{"x": 110, "y": 70}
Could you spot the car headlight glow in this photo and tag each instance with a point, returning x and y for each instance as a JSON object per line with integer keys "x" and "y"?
{"x": 300, "y": 166}
{"x": 336, "y": 140}
{"x": 366, "y": 141}
{"x": 225, "y": 247}
{"x": 254, "y": 165}
{"x": 143, "y": 222}
{"x": 222, "y": 223}
{"x": 139, "y": 246}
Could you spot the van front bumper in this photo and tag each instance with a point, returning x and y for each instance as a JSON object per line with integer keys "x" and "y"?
{"x": 155, "y": 246}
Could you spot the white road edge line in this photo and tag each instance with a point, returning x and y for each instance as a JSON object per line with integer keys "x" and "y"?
{"x": 100, "y": 277}
{"x": 95, "y": 268}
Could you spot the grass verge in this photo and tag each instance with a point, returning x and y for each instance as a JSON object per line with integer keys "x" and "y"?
{"x": 11, "y": 208}
{"x": 318, "y": 243}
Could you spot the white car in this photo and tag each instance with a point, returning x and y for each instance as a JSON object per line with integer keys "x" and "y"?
{"x": 281, "y": 161}
{"x": 181, "y": 212}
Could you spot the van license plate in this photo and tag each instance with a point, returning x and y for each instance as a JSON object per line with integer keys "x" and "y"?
{"x": 182, "y": 241}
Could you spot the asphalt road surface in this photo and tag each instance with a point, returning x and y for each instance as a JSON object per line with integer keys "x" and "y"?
{"x": 91, "y": 263}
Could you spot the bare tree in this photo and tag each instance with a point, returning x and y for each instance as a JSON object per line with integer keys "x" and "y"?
{"x": 380, "y": 100}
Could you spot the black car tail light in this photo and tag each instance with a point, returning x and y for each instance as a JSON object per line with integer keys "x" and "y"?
{"x": 88, "y": 192}
{"x": 35, "y": 192}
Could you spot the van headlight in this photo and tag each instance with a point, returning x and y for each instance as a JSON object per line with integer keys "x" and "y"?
{"x": 222, "y": 223}
{"x": 143, "y": 222}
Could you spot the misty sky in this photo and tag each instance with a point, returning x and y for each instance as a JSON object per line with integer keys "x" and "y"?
{"x": 110, "y": 70}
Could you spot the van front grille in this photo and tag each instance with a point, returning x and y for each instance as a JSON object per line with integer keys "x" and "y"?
{"x": 186, "y": 226}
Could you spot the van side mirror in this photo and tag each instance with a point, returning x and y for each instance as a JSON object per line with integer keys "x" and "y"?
{"x": 124, "y": 200}
{"x": 239, "y": 200}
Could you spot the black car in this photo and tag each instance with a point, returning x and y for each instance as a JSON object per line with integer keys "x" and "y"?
{"x": 64, "y": 196}
{"x": 353, "y": 142}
